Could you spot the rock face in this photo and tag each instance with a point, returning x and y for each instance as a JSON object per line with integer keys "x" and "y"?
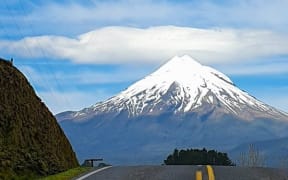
{"x": 182, "y": 104}
{"x": 31, "y": 141}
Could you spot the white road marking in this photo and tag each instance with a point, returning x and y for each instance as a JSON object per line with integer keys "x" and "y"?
{"x": 93, "y": 172}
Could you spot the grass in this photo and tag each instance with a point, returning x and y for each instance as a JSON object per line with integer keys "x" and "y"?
{"x": 67, "y": 175}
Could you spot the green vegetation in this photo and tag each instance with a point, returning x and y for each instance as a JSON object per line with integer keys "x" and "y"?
{"x": 197, "y": 157}
{"x": 13, "y": 176}
{"x": 31, "y": 141}
{"x": 67, "y": 175}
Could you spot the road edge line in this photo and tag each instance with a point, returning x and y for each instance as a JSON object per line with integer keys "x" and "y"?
{"x": 93, "y": 172}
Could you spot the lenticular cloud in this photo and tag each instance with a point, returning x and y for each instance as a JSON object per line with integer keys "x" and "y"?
{"x": 125, "y": 45}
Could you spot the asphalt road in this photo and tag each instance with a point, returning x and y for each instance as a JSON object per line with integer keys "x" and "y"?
{"x": 188, "y": 172}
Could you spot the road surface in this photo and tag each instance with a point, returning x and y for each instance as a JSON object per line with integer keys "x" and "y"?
{"x": 188, "y": 172}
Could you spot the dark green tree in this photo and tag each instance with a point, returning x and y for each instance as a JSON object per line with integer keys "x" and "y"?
{"x": 196, "y": 157}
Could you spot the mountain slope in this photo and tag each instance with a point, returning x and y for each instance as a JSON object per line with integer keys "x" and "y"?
{"x": 31, "y": 141}
{"x": 183, "y": 104}
{"x": 273, "y": 151}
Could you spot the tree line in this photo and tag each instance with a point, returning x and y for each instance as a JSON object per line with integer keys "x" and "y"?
{"x": 197, "y": 157}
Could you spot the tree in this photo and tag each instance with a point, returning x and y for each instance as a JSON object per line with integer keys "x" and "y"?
{"x": 176, "y": 155}
{"x": 251, "y": 158}
{"x": 196, "y": 157}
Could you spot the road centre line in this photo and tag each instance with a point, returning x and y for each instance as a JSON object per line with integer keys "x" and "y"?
{"x": 198, "y": 175}
{"x": 211, "y": 175}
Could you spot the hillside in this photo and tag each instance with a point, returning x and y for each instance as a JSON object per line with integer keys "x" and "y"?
{"x": 31, "y": 141}
{"x": 274, "y": 151}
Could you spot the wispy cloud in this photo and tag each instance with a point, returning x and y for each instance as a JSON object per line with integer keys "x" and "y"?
{"x": 58, "y": 101}
{"x": 68, "y": 79}
{"x": 257, "y": 12}
{"x": 73, "y": 90}
{"x": 74, "y": 17}
{"x": 125, "y": 45}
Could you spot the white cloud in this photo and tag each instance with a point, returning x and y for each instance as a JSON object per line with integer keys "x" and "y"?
{"x": 256, "y": 13}
{"x": 74, "y": 17}
{"x": 100, "y": 11}
{"x": 124, "y": 45}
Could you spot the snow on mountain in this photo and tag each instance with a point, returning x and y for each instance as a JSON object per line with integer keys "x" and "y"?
{"x": 182, "y": 104}
{"x": 185, "y": 85}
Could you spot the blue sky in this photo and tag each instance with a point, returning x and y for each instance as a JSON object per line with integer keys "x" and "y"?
{"x": 76, "y": 53}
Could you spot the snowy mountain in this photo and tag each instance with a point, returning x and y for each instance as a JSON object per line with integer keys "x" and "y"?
{"x": 182, "y": 85}
{"x": 182, "y": 104}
